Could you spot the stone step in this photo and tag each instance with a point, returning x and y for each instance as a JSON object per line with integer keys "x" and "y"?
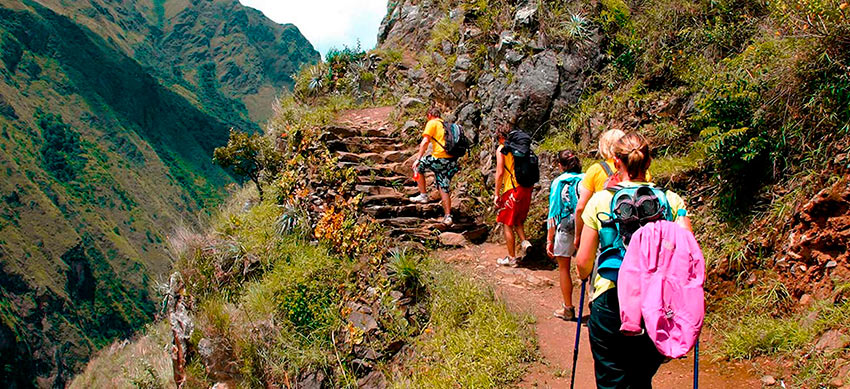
{"x": 385, "y": 169}
{"x": 385, "y": 190}
{"x": 383, "y": 211}
{"x": 358, "y": 144}
{"x": 386, "y": 199}
{"x": 391, "y": 156}
{"x": 338, "y": 132}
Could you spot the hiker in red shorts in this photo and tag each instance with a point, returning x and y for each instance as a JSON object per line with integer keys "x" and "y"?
{"x": 513, "y": 201}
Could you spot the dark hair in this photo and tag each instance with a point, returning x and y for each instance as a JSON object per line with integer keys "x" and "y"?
{"x": 504, "y": 129}
{"x": 633, "y": 152}
{"x": 569, "y": 161}
{"x": 434, "y": 111}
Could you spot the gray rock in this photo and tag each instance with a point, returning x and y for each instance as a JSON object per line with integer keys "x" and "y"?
{"x": 463, "y": 62}
{"x": 408, "y": 102}
{"x": 831, "y": 264}
{"x": 526, "y": 15}
{"x": 514, "y": 57}
{"x": 447, "y": 47}
{"x": 768, "y": 380}
{"x": 453, "y": 239}
{"x": 409, "y": 125}
{"x": 529, "y": 98}
{"x": 363, "y": 321}
{"x": 416, "y": 74}
{"x": 373, "y": 380}
{"x": 507, "y": 39}
{"x": 438, "y": 59}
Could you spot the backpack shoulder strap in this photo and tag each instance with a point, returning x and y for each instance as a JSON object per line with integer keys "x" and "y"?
{"x": 607, "y": 168}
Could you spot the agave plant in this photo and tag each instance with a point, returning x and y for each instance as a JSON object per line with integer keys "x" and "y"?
{"x": 317, "y": 78}
{"x": 577, "y": 27}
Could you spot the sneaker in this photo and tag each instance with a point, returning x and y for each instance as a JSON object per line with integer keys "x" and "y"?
{"x": 566, "y": 313}
{"x": 421, "y": 198}
{"x": 448, "y": 220}
{"x": 523, "y": 248}
{"x": 507, "y": 261}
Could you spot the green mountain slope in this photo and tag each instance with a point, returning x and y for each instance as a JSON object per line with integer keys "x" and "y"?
{"x": 102, "y": 152}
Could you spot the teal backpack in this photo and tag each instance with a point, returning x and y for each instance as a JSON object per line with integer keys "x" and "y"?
{"x": 569, "y": 195}
{"x": 632, "y": 207}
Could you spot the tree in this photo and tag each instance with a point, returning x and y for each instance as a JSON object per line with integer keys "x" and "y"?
{"x": 252, "y": 156}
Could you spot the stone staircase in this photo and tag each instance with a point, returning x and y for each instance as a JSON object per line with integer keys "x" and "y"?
{"x": 363, "y": 141}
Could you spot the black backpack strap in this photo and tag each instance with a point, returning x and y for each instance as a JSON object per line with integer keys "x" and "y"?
{"x": 608, "y": 170}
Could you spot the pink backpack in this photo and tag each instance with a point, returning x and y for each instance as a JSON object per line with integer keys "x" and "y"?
{"x": 660, "y": 287}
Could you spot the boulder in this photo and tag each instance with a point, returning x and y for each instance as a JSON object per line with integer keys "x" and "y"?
{"x": 529, "y": 98}
{"x": 373, "y": 380}
{"x": 409, "y": 126}
{"x": 312, "y": 379}
{"x": 416, "y": 75}
{"x": 513, "y": 56}
{"x": 463, "y": 62}
{"x": 526, "y": 15}
{"x": 408, "y": 102}
{"x": 363, "y": 321}
{"x": 453, "y": 239}
{"x": 507, "y": 39}
{"x": 831, "y": 340}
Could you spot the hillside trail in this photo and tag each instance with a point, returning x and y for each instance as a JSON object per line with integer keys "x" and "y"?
{"x": 362, "y": 139}
{"x": 532, "y": 288}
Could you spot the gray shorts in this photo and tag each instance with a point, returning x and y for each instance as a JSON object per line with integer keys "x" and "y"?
{"x": 564, "y": 237}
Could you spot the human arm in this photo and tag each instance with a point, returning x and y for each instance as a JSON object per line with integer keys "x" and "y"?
{"x": 500, "y": 170}
{"x": 550, "y": 241}
{"x": 423, "y": 147}
{"x": 587, "y": 252}
{"x": 584, "y": 195}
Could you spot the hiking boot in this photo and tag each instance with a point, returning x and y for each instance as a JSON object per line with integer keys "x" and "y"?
{"x": 507, "y": 261}
{"x": 523, "y": 248}
{"x": 448, "y": 220}
{"x": 421, "y": 198}
{"x": 566, "y": 313}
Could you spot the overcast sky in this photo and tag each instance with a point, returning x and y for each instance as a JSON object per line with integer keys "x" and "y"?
{"x": 328, "y": 23}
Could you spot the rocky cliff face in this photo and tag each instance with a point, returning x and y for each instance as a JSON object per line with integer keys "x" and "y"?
{"x": 109, "y": 112}
{"x": 489, "y": 66}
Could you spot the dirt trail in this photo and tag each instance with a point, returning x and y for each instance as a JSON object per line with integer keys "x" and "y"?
{"x": 533, "y": 288}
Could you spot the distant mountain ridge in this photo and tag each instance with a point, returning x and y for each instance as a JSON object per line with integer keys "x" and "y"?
{"x": 109, "y": 112}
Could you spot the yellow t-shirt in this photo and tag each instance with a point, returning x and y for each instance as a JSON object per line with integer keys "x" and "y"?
{"x": 434, "y": 128}
{"x": 509, "y": 177}
{"x": 594, "y": 179}
{"x": 601, "y": 203}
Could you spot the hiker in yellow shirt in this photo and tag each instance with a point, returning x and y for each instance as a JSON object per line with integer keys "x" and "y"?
{"x": 443, "y": 165}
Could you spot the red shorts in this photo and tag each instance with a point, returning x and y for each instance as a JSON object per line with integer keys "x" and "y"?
{"x": 514, "y": 206}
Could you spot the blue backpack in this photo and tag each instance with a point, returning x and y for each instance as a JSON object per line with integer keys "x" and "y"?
{"x": 632, "y": 207}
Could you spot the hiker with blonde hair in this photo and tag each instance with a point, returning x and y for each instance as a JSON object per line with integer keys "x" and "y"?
{"x": 598, "y": 176}
{"x": 621, "y": 360}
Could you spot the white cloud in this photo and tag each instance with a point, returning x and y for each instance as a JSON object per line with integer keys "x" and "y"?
{"x": 328, "y": 23}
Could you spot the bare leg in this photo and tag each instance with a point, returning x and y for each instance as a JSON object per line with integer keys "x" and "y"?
{"x": 421, "y": 182}
{"x": 520, "y": 230}
{"x": 566, "y": 280}
{"x": 509, "y": 240}
{"x": 447, "y": 202}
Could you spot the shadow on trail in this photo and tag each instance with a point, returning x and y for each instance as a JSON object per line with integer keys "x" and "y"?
{"x": 536, "y": 259}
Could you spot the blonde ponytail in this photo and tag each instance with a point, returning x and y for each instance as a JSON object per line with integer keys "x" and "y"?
{"x": 633, "y": 152}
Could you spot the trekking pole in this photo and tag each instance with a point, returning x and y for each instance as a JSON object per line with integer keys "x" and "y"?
{"x": 696, "y": 365}
{"x": 578, "y": 332}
